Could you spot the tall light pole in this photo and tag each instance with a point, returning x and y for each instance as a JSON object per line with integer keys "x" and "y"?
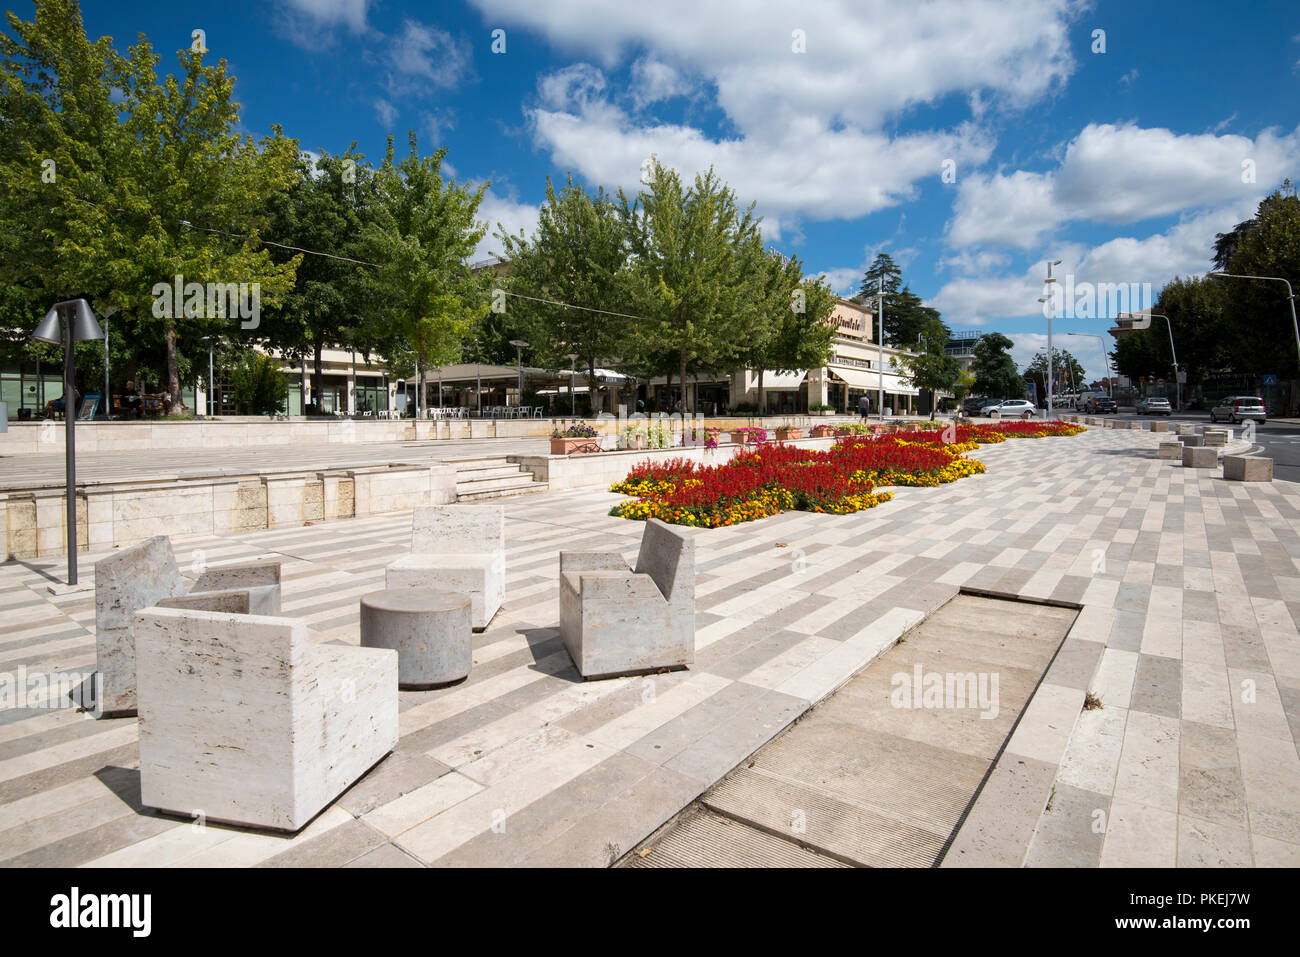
{"x": 519, "y": 345}
{"x": 1050, "y": 308}
{"x": 1178, "y": 385}
{"x": 573, "y": 371}
{"x": 1290, "y": 296}
{"x": 1110, "y": 386}
{"x": 69, "y": 322}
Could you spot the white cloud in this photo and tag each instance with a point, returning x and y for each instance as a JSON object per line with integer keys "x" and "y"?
{"x": 810, "y": 138}
{"x": 864, "y": 62}
{"x": 1121, "y": 174}
{"x": 385, "y": 112}
{"x": 500, "y": 211}
{"x": 422, "y": 56}
{"x": 349, "y": 13}
{"x": 654, "y": 81}
{"x": 848, "y": 174}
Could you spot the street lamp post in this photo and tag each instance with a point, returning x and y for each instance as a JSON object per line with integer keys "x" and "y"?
{"x": 1178, "y": 385}
{"x": 69, "y": 322}
{"x": 1051, "y": 313}
{"x": 573, "y": 371}
{"x": 1110, "y": 386}
{"x": 519, "y": 345}
{"x": 1290, "y": 296}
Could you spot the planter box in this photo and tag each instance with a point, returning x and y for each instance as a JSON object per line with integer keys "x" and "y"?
{"x": 742, "y": 438}
{"x": 822, "y": 431}
{"x": 784, "y": 435}
{"x": 575, "y": 446}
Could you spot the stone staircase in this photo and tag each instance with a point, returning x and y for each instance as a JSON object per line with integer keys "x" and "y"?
{"x": 493, "y": 478}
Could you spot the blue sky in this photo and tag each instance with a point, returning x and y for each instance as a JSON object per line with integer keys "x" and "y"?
{"x": 838, "y": 118}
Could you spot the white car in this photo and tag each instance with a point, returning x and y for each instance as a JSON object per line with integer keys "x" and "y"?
{"x": 1011, "y": 409}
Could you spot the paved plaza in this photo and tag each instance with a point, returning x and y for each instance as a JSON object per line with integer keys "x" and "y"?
{"x": 1187, "y": 636}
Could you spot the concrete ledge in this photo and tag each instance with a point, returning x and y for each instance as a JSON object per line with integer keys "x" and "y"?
{"x": 1247, "y": 468}
{"x": 130, "y": 512}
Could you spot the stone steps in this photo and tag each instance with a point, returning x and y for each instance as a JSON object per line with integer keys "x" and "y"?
{"x": 486, "y": 478}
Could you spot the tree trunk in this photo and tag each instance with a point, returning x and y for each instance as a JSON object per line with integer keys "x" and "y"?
{"x": 668, "y": 387}
{"x": 593, "y": 389}
{"x": 173, "y": 375}
{"x": 682, "y": 370}
{"x": 760, "y": 392}
{"x": 316, "y": 370}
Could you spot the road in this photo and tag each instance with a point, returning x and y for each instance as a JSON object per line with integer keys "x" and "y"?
{"x": 1279, "y": 441}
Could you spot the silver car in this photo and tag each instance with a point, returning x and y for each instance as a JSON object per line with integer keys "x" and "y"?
{"x": 1011, "y": 409}
{"x": 1154, "y": 406}
{"x": 1238, "y": 408}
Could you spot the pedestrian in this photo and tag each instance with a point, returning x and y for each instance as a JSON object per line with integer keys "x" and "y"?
{"x": 864, "y": 407}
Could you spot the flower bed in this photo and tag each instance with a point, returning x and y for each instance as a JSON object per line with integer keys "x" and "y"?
{"x": 842, "y": 479}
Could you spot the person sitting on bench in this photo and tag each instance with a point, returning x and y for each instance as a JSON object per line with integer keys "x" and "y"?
{"x": 131, "y": 400}
{"x": 56, "y": 406}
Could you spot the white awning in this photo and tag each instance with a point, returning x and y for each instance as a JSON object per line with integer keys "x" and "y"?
{"x": 869, "y": 380}
{"x": 782, "y": 381}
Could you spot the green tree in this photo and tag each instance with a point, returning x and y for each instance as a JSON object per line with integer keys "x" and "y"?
{"x": 258, "y": 385}
{"x": 1067, "y": 373}
{"x": 994, "y": 369}
{"x": 929, "y": 368}
{"x": 697, "y": 269}
{"x": 906, "y": 318}
{"x": 1257, "y": 317}
{"x": 326, "y": 209}
{"x": 577, "y": 256}
{"x": 882, "y": 267}
{"x": 793, "y": 331}
{"x": 421, "y": 238}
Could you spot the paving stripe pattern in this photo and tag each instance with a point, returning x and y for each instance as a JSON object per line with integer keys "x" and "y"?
{"x": 1190, "y": 591}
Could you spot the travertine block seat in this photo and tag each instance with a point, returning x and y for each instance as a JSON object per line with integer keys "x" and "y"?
{"x": 145, "y": 575}
{"x": 430, "y": 631}
{"x": 457, "y": 548}
{"x": 1200, "y": 457}
{"x": 619, "y": 621}
{"x": 126, "y": 582}
{"x": 1171, "y": 450}
{"x": 1247, "y": 468}
{"x": 245, "y": 720}
{"x": 260, "y": 579}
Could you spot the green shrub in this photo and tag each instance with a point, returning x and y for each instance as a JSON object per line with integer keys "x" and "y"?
{"x": 258, "y": 385}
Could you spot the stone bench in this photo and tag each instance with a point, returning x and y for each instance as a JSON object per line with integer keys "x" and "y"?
{"x": 247, "y": 721}
{"x": 1247, "y": 468}
{"x": 430, "y": 630}
{"x": 1171, "y": 450}
{"x": 457, "y": 548}
{"x": 618, "y": 621}
{"x": 1191, "y": 441}
{"x": 1159, "y": 426}
{"x": 1200, "y": 458}
{"x": 145, "y": 575}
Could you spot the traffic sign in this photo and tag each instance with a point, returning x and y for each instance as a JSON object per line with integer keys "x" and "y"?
{"x": 1268, "y": 380}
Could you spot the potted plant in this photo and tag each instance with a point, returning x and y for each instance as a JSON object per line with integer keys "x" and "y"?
{"x": 822, "y": 431}
{"x": 634, "y": 437}
{"x": 574, "y": 439}
{"x": 749, "y": 436}
{"x": 784, "y": 433}
{"x": 821, "y": 408}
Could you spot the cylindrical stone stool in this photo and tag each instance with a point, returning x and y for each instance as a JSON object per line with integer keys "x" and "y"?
{"x": 429, "y": 629}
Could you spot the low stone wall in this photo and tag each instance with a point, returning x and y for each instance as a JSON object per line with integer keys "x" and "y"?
{"x": 34, "y": 438}
{"x": 128, "y": 512}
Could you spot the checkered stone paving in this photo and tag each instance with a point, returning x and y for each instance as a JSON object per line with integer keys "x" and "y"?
{"x": 1187, "y": 635}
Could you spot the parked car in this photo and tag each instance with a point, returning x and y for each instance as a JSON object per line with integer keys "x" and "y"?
{"x": 1011, "y": 409}
{"x": 1238, "y": 408}
{"x": 1100, "y": 405}
{"x": 1155, "y": 405}
{"x": 973, "y": 405}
